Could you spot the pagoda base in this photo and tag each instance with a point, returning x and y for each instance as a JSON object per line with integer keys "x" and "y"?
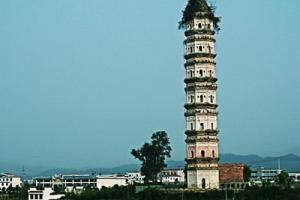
{"x": 203, "y": 179}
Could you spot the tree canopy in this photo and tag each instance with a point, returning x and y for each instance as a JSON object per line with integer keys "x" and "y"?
{"x": 153, "y": 155}
{"x": 247, "y": 173}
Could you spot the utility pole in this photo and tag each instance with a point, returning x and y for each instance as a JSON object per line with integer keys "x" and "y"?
{"x": 23, "y": 173}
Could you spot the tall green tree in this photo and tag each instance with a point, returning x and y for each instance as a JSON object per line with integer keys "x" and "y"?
{"x": 153, "y": 156}
{"x": 247, "y": 173}
{"x": 283, "y": 179}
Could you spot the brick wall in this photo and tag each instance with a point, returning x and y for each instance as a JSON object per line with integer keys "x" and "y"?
{"x": 231, "y": 173}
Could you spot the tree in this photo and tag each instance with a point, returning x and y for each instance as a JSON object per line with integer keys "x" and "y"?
{"x": 283, "y": 179}
{"x": 247, "y": 173}
{"x": 153, "y": 155}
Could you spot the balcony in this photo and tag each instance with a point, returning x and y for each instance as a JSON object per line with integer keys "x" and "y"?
{"x": 199, "y": 38}
{"x": 200, "y": 113}
{"x": 200, "y": 79}
{"x": 194, "y": 62}
{"x": 194, "y": 140}
{"x": 199, "y": 55}
{"x": 199, "y": 31}
{"x": 202, "y": 160}
{"x": 204, "y": 132}
{"x": 201, "y": 87}
{"x": 200, "y": 105}
{"x": 193, "y": 167}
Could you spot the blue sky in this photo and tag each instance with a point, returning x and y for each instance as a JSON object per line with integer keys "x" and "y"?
{"x": 83, "y": 82}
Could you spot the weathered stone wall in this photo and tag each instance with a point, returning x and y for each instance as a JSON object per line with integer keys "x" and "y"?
{"x": 231, "y": 173}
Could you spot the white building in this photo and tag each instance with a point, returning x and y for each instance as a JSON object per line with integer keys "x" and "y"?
{"x": 9, "y": 180}
{"x": 172, "y": 176}
{"x": 135, "y": 177}
{"x": 295, "y": 176}
{"x": 111, "y": 180}
{"x": 264, "y": 175}
{"x": 46, "y": 194}
{"x": 70, "y": 182}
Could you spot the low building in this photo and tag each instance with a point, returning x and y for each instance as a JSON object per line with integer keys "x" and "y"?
{"x": 264, "y": 175}
{"x": 9, "y": 180}
{"x": 135, "y": 177}
{"x": 111, "y": 181}
{"x": 69, "y": 182}
{"x": 172, "y": 176}
{"x": 295, "y": 176}
{"x": 231, "y": 176}
{"x": 45, "y": 194}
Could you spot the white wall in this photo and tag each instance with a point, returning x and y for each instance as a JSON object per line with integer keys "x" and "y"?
{"x": 111, "y": 181}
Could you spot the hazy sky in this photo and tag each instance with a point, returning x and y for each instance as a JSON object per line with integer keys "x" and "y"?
{"x": 82, "y": 82}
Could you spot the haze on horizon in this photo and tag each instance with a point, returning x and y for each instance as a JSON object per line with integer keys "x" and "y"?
{"x": 82, "y": 83}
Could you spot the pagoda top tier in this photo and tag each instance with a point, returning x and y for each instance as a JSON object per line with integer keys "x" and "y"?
{"x": 198, "y": 9}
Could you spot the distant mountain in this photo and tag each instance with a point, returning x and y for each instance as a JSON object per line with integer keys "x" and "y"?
{"x": 232, "y": 158}
{"x": 51, "y": 172}
{"x": 288, "y": 162}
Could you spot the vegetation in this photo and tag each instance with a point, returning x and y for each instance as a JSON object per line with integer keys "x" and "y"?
{"x": 115, "y": 193}
{"x": 283, "y": 179}
{"x": 199, "y": 9}
{"x": 127, "y": 193}
{"x": 17, "y": 193}
{"x": 153, "y": 155}
{"x": 247, "y": 173}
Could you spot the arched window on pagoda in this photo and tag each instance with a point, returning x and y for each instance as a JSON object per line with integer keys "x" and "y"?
{"x": 201, "y": 126}
{"x": 201, "y": 98}
{"x": 213, "y": 154}
{"x": 201, "y": 72}
{"x": 203, "y": 183}
{"x": 211, "y": 99}
{"x": 202, "y": 153}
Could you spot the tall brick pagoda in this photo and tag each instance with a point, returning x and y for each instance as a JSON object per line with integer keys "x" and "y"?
{"x": 201, "y": 113}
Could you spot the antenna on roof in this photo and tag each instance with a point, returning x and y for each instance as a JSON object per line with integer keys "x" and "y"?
{"x": 23, "y": 173}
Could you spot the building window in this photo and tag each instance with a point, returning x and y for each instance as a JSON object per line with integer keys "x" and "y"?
{"x": 213, "y": 154}
{"x": 201, "y": 98}
{"x": 41, "y": 196}
{"x": 192, "y": 126}
{"x": 201, "y": 73}
{"x": 31, "y": 196}
{"x": 212, "y": 126}
{"x": 192, "y": 154}
{"x": 203, "y": 183}
{"x": 199, "y": 25}
{"x": 210, "y": 73}
{"x": 202, "y": 153}
{"x": 211, "y": 99}
{"x": 200, "y": 48}
{"x": 201, "y": 126}
{"x": 209, "y": 48}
